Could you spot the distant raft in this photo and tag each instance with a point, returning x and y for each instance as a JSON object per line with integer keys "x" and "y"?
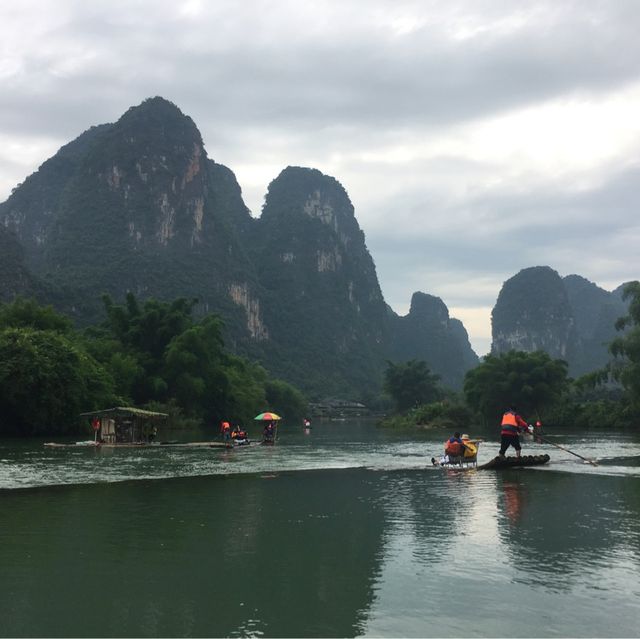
{"x": 498, "y": 463}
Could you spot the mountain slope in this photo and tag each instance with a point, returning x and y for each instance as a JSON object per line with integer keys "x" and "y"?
{"x": 137, "y": 205}
{"x": 533, "y": 313}
{"x": 569, "y": 318}
{"x": 325, "y": 300}
{"x": 428, "y": 333}
{"x": 15, "y": 277}
{"x": 134, "y": 206}
{"x": 595, "y": 311}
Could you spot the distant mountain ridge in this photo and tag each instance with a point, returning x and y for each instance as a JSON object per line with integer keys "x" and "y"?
{"x": 428, "y": 333}
{"x": 568, "y": 317}
{"x": 137, "y": 205}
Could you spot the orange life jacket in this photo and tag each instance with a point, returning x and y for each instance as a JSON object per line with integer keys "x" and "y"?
{"x": 453, "y": 449}
{"x": 509, "y": 424}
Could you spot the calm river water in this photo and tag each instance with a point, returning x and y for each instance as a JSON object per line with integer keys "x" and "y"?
{"x": 346, "y": 531}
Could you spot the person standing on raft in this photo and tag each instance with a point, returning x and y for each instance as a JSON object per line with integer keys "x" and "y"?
{"x": 511, "y": 425}
{"x": 225, "y": 429}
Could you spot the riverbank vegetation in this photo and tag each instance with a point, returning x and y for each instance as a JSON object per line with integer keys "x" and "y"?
{"x": 156, "y": 355}
{"x": 538, "y": 385}
{"x": 153, "y": 355}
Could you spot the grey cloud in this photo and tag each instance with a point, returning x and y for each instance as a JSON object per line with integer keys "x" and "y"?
{"x": 272, "y": 84}
{"x": 598, "y": 241}
{"x": 344, "y": 75}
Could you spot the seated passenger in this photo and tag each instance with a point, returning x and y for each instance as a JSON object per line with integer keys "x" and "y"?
{"x": 268, "y": 433}
{"x": 470, "y": 447}
{"x": 454, "y": 446}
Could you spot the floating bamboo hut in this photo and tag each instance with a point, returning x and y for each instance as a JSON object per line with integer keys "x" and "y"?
{"x": 125, "y": 425}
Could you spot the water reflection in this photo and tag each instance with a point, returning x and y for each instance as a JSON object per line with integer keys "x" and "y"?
{"x": 262, "y": 549}
{"x": 557, "y": 526}
{"x": 530, "y": 553}
{"x": 280, "y": 555}
{"x": 512, "y": 498}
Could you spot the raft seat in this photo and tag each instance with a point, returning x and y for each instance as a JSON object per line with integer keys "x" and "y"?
{"x": 468, "y": 459}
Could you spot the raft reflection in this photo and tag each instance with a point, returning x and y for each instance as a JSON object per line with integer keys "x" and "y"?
{"x": 557, "y": 524}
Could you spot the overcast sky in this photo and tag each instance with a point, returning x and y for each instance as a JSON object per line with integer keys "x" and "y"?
{"x": 475, "y": 138}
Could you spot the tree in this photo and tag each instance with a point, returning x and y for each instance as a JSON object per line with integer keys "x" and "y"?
{"x": 159, "y": 354}
{"x": 627, "y": 346}
{"x": 194, "y": 369}
{"x": 246, "y": 395}
{"x": 143, "y": 353}
{"x": 141, "y": 334}
{"x": 46, "y": 381}
{"x": 531, "y": 381}
{"x": 23, "y": 313}
{"x": 285, "y": 399}
{"x": 410, "y": 384}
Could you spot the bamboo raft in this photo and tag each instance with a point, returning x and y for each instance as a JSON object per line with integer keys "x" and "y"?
{"x": 498, "y": 463}
{"x": 92, "y": 444}
{"x": 130, "y": 427}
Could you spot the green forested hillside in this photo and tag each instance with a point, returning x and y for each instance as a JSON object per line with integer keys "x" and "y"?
{"x": 138, "y": 206}
{"x": 569, "y": 318}
{"x": 152, "y": 354}
{"x": 533, "y": 313}
{"x": 325, "y": 298}
{"x": 15, "y": 277}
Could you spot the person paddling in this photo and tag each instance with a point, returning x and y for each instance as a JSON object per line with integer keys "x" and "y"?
{"x": 511, "y": 425}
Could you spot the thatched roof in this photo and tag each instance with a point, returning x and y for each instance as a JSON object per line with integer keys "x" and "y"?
{"x": 126, "y": 411}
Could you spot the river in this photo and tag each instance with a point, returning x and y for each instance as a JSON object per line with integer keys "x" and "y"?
{"x": 346, "y": 531}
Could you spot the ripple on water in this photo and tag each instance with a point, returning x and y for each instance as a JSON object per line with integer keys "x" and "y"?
{"x": 27, "y": 465}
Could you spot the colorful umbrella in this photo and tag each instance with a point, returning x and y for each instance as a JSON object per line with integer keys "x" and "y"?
{"x": 268, "y": 417}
